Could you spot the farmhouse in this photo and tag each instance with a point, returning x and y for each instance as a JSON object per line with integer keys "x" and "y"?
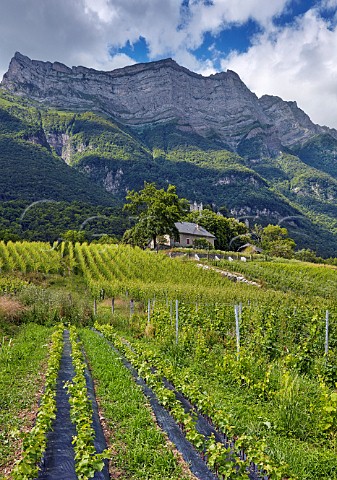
{"x": 189, "y": 232}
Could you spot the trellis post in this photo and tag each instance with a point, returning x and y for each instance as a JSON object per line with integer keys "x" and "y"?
{"x": 326, "y": 346}
{"x": 237, "y": 329}
{"x": 177, "y": 321}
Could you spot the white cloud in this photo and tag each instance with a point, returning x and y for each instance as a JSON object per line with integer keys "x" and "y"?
{"x": 329, "y": 4}
{"x": 80, "y": 31}
{"x": 119, "y": 61}
{"x": 101, "y": 8}
{"x": 54, "y": 30}
{"x": 297, "y": 62}
{"x": 216, "y": 16}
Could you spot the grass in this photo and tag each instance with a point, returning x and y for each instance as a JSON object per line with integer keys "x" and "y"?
{"x": 290, "y": 276}
{"x": 284, "y": 422}
{"x": 22, "y": 360}
{"x": 140, "y": 448}
{"x": 11, "y": 311}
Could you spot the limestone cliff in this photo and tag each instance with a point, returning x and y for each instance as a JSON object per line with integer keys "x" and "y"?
{"x": 145, "y": 95}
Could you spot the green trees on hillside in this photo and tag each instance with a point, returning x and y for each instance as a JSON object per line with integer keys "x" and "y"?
{"x": 47, "y": 221}
{"x": 275, "y": 241}
{"x": 74, "y": 236}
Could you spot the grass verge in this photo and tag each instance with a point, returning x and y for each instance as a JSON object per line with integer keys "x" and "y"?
{"x": 21, "y": 362}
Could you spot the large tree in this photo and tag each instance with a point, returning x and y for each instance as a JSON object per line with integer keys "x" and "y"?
{"x": 229, "y": 232}
{"x": 156, "y": 212}
{"x": 275, "y": 241}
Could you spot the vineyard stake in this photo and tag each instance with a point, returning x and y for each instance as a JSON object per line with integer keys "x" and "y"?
{"x": 177, "y": 321}
{"x": 237, "y": 328}
{"x": 326, "y": 332}
{"x": 132, "y": 307}
{"x": 148, "y": 310}
{"x": 113, "y": 305}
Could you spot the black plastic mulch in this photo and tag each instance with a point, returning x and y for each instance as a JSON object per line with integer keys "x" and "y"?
{"x": 204, "y": 427}
{"x": 58, "y": 461}
{"x": 166, "y": 422}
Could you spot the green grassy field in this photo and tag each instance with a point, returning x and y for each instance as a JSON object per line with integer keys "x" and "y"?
{"x": 22, "y": 363}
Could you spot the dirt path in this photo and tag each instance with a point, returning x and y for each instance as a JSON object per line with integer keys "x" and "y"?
{"x": 235, "y": 277}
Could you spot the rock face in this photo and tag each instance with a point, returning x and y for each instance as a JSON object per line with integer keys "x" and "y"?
{"x": 145, "y": 95}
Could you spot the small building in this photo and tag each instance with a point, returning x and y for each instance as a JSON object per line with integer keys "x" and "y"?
{"x": 196, "y": 207}
{"x": 249, "y": 248}
{"x": 189, "y": 232}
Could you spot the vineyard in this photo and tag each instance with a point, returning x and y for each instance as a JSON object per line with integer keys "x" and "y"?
{"x": 246, "y": 372}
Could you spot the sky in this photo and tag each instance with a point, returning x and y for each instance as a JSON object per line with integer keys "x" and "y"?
{"x": 286, "y": 48}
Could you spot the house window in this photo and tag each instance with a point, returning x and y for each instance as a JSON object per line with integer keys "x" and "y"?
{"x": 187, "y": 241}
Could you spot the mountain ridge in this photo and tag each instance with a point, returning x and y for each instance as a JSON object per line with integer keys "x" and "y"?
{"x": 142, "y": 95}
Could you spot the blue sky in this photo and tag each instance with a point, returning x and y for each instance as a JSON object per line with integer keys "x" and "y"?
{"x": 279, "y": 47}
{"x": 216, "y": 45}
{"x": 212, "y": 46}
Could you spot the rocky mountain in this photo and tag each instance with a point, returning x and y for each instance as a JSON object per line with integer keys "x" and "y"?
{"x": 210, "y": 136}
{"x": 219, "y": 107}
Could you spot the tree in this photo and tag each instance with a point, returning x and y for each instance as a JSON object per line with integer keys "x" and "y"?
{"x": 106, "y": 239}
{"x": 308, "y": 255}
{"x": 202, "y": 243}
{"x": 156, "y": 211}
{"x": 275, "y": 241}
{"x": 74, "y": 236}
{"x": 226, "y": 230}
{"x": 136, "y": 236}
{"x": 7, "y": 234}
